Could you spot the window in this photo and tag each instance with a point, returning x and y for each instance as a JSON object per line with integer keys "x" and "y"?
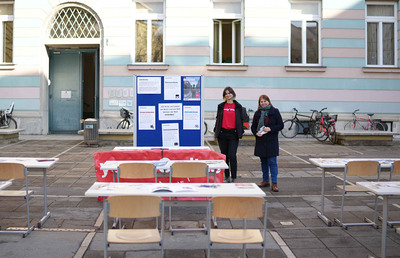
{"x": 73, "y": 22}
{"x": 305, "y": 20}
{"x": 149, "y": 29}
{"x": 381, "y": 34}
{"x": 227, "y": 32}
{"x": 6, "y": 30}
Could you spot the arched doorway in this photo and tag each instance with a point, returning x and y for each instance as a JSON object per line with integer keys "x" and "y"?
{"x": 73, "y": 47}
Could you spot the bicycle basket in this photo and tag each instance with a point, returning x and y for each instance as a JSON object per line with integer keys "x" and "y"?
{"x": 124, "y": 113}
{"x": 329, "y": 117}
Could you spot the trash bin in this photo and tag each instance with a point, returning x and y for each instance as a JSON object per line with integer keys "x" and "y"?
{"x": 91, "y": 131}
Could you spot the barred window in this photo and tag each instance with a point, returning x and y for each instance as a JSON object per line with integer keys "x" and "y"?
{"x": 73, "y": 22}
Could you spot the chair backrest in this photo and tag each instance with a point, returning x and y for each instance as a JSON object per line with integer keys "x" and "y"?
{"x": 189, "y": 169}
{"x": 237, "y": 207}
{"x": 396, "y": 167}
{"x": 137, "y": 170}
{"x": 362, "y": 167}
{"x": 12, "y": 170}
{"x": 137, "y": 206}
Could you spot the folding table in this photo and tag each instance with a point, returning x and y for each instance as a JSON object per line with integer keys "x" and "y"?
{"x": 338, "y": 163}
{"x": 37, "y": 163}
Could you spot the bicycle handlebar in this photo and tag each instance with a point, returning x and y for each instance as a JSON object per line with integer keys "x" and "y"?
{"x": 354, "y": 112}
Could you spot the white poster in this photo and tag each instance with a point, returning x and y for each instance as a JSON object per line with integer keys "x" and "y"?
{"x": 172, "y": 88}
{"x": 149, "y": 85}
{"x": 171, "y": 111}
{"x": 191, "y": 117}
{"x": 170, "y": 135}
{"x": 147, "y": 118}
{"x": 65, "y": 94}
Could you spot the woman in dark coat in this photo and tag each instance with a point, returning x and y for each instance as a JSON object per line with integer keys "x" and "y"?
{"x": 228, "y": 130}
{"x": 267, "y": 122}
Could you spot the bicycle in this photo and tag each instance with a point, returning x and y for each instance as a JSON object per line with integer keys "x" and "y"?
{"x": 291, "y": 127}
{"x": 6, "y": 119}
{"x": 326, "y": 127}
{"x": 127, "y": 116}
{"x": 358, "y": 123}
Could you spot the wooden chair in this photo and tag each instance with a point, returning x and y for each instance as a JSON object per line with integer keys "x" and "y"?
{"x": 237, "y": 208}
{"x": 189, "y": 170}
{"x": 358, "y": 168}
{"x": 141, "y": 206}
{"x": 135, "y": 171}
{"x": 395, "y": 170}
{"x": 16, "y": 171}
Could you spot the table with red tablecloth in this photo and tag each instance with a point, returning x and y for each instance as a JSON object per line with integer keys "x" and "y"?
{"x": 155, "y": 154}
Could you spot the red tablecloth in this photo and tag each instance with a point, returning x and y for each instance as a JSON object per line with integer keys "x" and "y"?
{"x": 156, "y": 154}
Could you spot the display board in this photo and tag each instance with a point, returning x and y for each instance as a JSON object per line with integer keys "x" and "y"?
{"x": 168, "y": 111}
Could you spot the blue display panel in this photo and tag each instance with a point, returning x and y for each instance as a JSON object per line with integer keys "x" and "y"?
{"x": 173, "y": 103}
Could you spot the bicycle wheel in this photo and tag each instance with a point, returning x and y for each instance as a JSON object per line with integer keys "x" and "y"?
{"x": 313, "y": 129}
{"x": 378, "y": 126}
{"x": 332, "y": 133}
{"x": 323, "y": 133}
{"x": 350, "y": 126}
{"x": 124, "y": 124}
{"x": 318, "y": 131}
{"x": 12, "y": 124}
{"x": 290, "y": 129}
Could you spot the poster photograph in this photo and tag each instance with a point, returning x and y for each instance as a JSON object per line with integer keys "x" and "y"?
{"x": 191, "y": 88}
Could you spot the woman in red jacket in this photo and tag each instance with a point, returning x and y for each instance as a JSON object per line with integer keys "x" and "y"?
{"x": 228, "y": 130}
{"x": 267, "y": 122}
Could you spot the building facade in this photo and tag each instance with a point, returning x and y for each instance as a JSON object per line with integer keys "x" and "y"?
{"x": 64, "y": 61}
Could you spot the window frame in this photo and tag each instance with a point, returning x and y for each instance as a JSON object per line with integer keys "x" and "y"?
{"x": 3, "y": 19}
{"x": 380, "y": 20}
{"x": 235, "y": 17}
{"x": 148, "y": 18}
{"x": 304, "y": 19}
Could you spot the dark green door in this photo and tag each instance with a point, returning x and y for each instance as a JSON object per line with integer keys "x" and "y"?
{"x": 70, "y": 99}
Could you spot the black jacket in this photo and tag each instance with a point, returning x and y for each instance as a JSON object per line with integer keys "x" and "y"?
{"x": 239, "y": 119}
{"x": 267, "y": 146}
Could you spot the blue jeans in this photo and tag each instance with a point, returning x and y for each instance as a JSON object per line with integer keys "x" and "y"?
{"x": 269, "y": 165}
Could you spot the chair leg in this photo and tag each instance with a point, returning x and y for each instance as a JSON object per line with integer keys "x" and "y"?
{"x": 340, "y": 222}
{"x": 170, "y": 222}
{"x": 375, "y": 214}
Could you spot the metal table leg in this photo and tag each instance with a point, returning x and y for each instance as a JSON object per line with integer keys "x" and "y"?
{"x": 46, "y": 213}
{"x": 384, "y": 226}
{"x": 321, "y": 213}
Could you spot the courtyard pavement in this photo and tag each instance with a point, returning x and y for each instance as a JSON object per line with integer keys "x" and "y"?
{"x": 294, "y": 230}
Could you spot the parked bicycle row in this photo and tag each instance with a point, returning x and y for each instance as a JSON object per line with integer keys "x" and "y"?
{"x": 322, "y": 126}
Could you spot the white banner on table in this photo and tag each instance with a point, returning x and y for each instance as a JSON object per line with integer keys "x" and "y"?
{"x": 170, "y": 135}
{"x": 149, "y": 85}
{"x": 172, "y": 88}
{"x": 147, "y": 118}
{"x": 191, "y": 118}
{"x": 170, "y": 111}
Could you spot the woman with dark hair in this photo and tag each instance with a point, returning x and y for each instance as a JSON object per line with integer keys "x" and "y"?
{"x": 228, "y": 130}
{"x": 267, "y": 122}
